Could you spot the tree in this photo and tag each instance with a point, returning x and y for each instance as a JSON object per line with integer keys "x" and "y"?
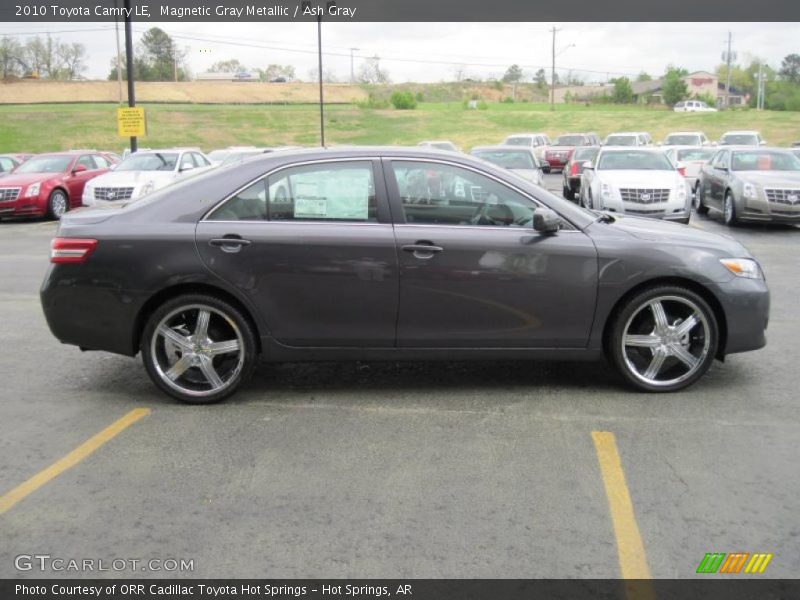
{"x": 232, "y": 65}
{"x": 679, "y": 70}
{"x": 72, "y": 57}
{"x": 286, "y": 71}
{"x": 790, "y": 68}
{"x": 159, "y": 56}
{"x": 327, "y": 75}
{"x": 623, "y": 92}
{"x": 674, "y": 88}
{"x": 574, "y": 79}
{"x": 513, "y": 74}
{"x": 644, "y": 77}
{"x": 12, "y": 63}
{"x": 371, "y": 72}
{"x": 540, "y": 79}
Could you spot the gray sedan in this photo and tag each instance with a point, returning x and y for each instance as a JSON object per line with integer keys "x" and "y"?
{"x": 751, "y": 184}
{"x": 519, "y": 160}
{"x": 392, "y": 254}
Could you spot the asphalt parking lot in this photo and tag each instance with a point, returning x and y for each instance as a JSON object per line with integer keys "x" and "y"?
{"x": 398, "y": 470}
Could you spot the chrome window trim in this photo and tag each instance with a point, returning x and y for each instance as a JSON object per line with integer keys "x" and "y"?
{"x": 289, "y": 166}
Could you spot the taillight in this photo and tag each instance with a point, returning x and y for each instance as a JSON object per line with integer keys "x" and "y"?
{"x": 71, "y": 250}
{"x": 574, "y": 169}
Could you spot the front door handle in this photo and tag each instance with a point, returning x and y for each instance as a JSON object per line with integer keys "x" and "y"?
{"x": 423, "y": 250}
{"x": 229, "y": 244}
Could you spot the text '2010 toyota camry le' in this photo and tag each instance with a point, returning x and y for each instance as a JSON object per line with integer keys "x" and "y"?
{"x": 392, "y": 253}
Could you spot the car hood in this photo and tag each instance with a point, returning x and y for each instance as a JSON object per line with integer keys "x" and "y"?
{"x": 22, "y": 179}
{"x": 665, "y": 232}
{"x": 644, "y": 179}
{"x": 770, "y": 177}
{"x": 131, "y": 178}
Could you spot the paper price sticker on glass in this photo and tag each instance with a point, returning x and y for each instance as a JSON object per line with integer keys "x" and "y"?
{"x": 341, "y": 194}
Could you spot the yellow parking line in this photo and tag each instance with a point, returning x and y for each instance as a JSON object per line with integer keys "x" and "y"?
{"x": 632, "y": 559}
{"x": 70, "y": 460}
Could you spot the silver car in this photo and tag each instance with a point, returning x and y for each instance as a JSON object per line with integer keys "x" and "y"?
{"x": 751, "y": 184}
{"x": 519, "y": 160}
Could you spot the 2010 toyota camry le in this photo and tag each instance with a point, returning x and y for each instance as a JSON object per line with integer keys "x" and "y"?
{"x": 392, "y": 254}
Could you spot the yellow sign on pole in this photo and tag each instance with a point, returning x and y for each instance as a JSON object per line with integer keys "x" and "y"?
{"x": 130, "y": 122}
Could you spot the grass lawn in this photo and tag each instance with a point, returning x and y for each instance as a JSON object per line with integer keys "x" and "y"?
{"x": 41, "y": 128}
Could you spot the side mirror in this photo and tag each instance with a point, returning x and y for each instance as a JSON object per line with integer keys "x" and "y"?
{"x": 546, "y": 220}
{"x": 79, "y": 169}
{"x": 762, "y": 143}
{"x": 588, "y": 166}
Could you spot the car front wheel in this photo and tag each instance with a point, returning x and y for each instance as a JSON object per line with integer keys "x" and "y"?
{"x": 198, "y": 348}
{"x": 699, "y": 200}
{"x": 729, "y": 211}
{"x": 663, "y": 339}
{"x": 57, "y": 205}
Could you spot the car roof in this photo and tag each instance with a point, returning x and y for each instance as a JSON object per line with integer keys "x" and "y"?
{"x": 748, "y": 132}
{"x": 504, "y": 147}
{"x": 625, "y": 133}
{"x": 684, "y": 133}
{"x": 525, "y": 134}
{"x": 436, "y": 142}
{"x": 649, "y": 149}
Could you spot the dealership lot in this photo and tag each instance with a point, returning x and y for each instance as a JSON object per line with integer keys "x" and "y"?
{"x": 399, "y": 470}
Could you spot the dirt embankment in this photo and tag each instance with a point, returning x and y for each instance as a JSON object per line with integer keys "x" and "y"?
{"x": 199, "y": 92}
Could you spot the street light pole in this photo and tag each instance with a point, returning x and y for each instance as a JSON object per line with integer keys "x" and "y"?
{"x": 321, "y": 100}
{"x": 553, "y": 73}
{"x": 129, "y": 64}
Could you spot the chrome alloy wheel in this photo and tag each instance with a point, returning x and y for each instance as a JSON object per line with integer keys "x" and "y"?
{"x": 197, "y": 350}
{"x": 666, "y": 340}
{"x": 58, "y": 204}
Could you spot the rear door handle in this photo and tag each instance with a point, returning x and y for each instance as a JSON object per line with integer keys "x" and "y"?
{"x": 229, "y": 244}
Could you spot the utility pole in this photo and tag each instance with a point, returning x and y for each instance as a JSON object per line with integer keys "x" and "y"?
{"x": 728, "y": 59}
{"x": 352, "y": 72}
{"x": 760, "y": 86}
{"x": 553, "y": 73}
{"x": 129, "y": 64}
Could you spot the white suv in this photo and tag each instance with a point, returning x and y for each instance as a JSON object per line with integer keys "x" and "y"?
{"x": 693, "y": 106}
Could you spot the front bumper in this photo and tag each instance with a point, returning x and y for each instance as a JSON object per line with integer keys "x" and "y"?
{"x": 23, "y": 207}
{"x": 764, "y": 211}
{"x": 745, "y": 303}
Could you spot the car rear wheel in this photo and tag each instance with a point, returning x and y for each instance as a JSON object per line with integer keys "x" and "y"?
{"x": 663, "y": 339}
{"x": 57, "y": 205}
{"x": 699, "y": 199}
{"x": 568, "y": 193}
{"x": 729, "y": 211}
{"x": 198, "y": 348}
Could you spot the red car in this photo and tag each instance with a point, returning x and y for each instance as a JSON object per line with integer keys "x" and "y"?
{"x": 560, "y": 151}
{"x": 49, "y": 184}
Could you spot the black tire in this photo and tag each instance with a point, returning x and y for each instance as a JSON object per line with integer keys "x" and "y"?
{"x": 233, "y": 370}
{"x": 57, "y": 204}
{"x": 707, "y": 338}
{"x": 568, "y": 193}
{"x": 699, "y": 198}
{"x": 729, "y": 210}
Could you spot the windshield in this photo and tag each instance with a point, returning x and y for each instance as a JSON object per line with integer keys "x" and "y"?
{"x": 695, "y": 154}
{"x": 518, "y": 141}
{"x": 568, "y": 140}
{"x": 621, "y": 140}
{"x": 216, "y": 155}
{"x": 507, "y": 159}
{"x": 634, "y": 161}
{"x": 45, "y": 164}
{"x": 765, "y": 161}
{"x": 585, "y": 154}
{"x": 739, "y": 139}
{"x": 682, "y": 140}
{"x": 152, "y": 161}
{"x": 237, "y": 156}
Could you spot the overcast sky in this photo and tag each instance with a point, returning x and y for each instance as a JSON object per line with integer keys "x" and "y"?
{"x": 428, "y": 52}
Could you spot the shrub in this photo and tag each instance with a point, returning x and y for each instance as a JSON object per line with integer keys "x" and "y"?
{"x": 419, "y": 97}
{"x": 507, "y": 100}
{"x": 403, "y": 101}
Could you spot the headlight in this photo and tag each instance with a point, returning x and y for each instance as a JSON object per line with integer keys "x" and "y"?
{"x": 605, "y": 191}
{"x": 33, "y": 189}
{"x": 148, "y": 187}
{"x": 742, "y": 267}
{"x": 749, "y": 191}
